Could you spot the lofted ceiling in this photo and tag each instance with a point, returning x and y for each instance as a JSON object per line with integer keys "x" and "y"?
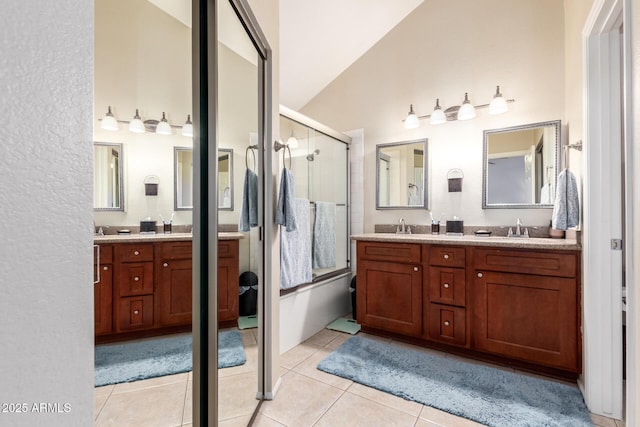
{"x": 319, "y": 39}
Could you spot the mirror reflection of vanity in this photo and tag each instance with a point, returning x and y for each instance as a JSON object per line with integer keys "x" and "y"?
{"x": 401, "y": 175}
{"x": 520, "y": 166}
{"x": 183, "y": 178}
{"x": 108, "y": 194}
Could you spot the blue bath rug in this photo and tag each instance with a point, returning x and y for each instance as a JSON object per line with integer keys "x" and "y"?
{"x": 487, "y": 395}
{"x": 156, "y": 357}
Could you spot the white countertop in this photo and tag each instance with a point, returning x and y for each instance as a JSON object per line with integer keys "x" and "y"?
{"x": 472, "y": 240}
{"x": 159, "y": 237}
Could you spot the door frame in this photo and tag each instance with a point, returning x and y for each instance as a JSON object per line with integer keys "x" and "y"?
{"x": 605, "y": 103}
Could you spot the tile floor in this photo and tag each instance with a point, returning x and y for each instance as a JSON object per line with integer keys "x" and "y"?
{"x": 320, "y": 399}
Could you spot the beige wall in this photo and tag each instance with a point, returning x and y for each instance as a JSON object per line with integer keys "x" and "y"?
{"x": 443, "y": 52}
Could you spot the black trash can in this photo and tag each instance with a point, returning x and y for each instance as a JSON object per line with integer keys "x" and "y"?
{"x": 352, "y": 290}
{"x": 248, "y": 304}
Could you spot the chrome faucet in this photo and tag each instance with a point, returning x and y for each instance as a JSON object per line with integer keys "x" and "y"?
{"x": 520, "y": 231}
{"x": 401, "y": 228}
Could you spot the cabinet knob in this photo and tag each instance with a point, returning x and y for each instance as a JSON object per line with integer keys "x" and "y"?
{"x": 136, "y": 253}
{"x": 415, "y": 269}
{"x": 445, "y": 256}
{"x": 446, "y": 285}
{"x": 165, "y": 264}
{"x": 136, "y": 311}
{"x": 105, "y": 268}
{"x": 480, "y": 274}
{"x": 446, "y": 323}
{"x": 136, "y": 278}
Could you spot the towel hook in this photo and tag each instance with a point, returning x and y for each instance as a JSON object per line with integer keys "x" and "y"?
{"x": 246, "y": 155}
{"x": 277, "y": 146}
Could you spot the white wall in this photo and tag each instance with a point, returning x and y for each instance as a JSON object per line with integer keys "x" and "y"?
{"x": 443, "y": 52}
{"x": 46, "y": 60}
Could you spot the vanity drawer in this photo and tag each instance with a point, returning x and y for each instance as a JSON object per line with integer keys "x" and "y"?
{"x": 447, "y": 256}
{"x": 134, "y": 252}
{"x": 136, "y": 278}
{"x": 447, "y": 285}
{"x": 393, "y": 252}
{"x": 135, "y": 313}
{"x": 527, "y": 262}
{"x": 447, "y": 324}
{"x": 177, "y": 250}
{"x": 228, "y": 248}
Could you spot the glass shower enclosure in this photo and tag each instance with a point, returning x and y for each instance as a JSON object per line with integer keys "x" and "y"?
{"x": 319, "y": 162}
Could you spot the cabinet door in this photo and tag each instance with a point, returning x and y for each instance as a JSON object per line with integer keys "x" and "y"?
{"x": 447, "y": 286}
{"x": 175, "y": 292}
{"x": 447, "y": 324}
{"x": 228, "y": 289}
{"x": 528, "y": 317}
{"x": 103, "y": 299}
{"x": 135, "y": 313}
{"x": 389, "y": 296}
{"x": 136, "y": 278}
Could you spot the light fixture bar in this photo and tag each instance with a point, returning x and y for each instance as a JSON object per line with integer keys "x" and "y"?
{"x": 509, "y": 101}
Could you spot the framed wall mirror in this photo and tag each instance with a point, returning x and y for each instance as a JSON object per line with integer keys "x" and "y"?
{"x": 183, "y": 178}
{"x": 108, "y": 194}
{"x": 520, "y": 166}
{"x": 401, "y": 175}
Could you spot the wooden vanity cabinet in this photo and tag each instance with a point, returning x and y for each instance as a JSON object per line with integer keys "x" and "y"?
{"x": 389, "y": 288}
{"x": 103, "y": 289}
{"x": 526, "y": 306}
{"x": 507, "y": 305}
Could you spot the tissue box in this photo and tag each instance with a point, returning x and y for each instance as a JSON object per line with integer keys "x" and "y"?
{"x": 455, "y": 227}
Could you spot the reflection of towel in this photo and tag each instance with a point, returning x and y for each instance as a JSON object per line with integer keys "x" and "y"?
{"x": 285, "y": 214}
{"x": 545, "y": 194}
{"x": 249, "y": 212}
{"x": 324, "y": 236}
{"x": 566, "y": 209}
{"x": 295, "y": 248}
{"x": 414, "y": 195}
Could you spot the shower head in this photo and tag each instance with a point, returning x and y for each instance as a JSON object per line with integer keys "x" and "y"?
{"x": 311, "y": 157}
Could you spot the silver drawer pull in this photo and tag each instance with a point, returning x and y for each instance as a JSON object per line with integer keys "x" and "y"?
{"x": 446, "y": 323}
{"x": 415, "y": 268}
{"x": 136, "y": 312}
{"x": 136, "y": 253}
{"x": 445, "y": 256}
{"x": 136, "y": 278}
{"x": 480, "y": 274}
{"x": 165, "y": 265}
{"x": 446, "y": 285}
{"x": 105, "y": 268}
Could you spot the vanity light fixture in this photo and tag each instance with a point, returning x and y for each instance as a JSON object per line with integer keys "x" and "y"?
{"x": 136, "y": 124}
{"x": 187, "y": 128}
{"x": 498, "y": 104}
{"x": 411, "y": 122}
{"x": 437, "y": 117}
{"x": 466, "y": 111}
{"x": 163, "y": 127}
{"x": 109, "y": 122}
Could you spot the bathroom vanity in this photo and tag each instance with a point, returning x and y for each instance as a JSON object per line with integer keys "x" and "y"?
{"x": 512, "y": 301}
{"x": 143, "y": 284}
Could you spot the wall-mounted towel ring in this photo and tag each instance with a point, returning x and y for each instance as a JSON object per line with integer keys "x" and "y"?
{"x": 277, "y": 146}
{"x": 246, "y": 155}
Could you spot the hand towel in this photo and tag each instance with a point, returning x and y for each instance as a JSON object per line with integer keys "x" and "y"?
{"x": 295, "y": 248}
{"x": 285, "y": 214}
{"x": 566, "y": 209}
{"x": 324, "y": 235}
{"x": 249, "y": 212}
